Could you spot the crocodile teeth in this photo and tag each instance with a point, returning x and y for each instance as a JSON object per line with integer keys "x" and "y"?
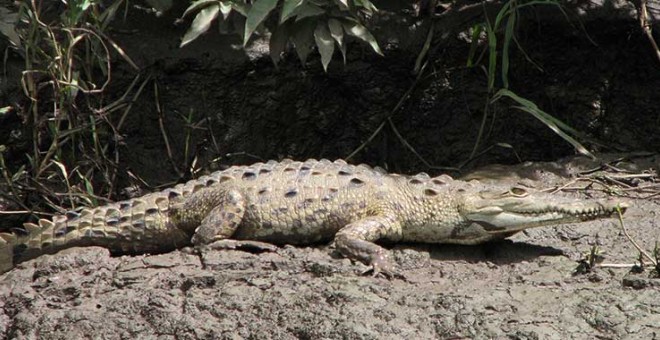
{"x": 579, "y": 212}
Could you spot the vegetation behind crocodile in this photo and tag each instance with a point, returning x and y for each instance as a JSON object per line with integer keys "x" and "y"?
{"x": 304, "y": 203}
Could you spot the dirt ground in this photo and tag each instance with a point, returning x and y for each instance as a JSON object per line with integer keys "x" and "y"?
{"x": 597, "y": 76}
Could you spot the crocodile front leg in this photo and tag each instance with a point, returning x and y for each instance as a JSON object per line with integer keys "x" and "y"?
{"x": 356, "y": 241}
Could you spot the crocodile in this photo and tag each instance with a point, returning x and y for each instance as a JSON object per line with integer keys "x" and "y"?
{"x": 304, "y": 203}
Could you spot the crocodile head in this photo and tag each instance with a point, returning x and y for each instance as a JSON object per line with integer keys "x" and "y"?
{"x": 508, "y": 211}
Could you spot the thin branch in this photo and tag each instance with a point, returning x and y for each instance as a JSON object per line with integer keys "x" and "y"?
{"x": 625, "y": 232}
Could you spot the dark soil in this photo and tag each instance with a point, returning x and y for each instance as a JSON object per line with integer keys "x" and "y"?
{"x": 604, "y": 85}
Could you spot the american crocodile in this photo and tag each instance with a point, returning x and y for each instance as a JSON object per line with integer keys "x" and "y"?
{"x": 302, "y": 203}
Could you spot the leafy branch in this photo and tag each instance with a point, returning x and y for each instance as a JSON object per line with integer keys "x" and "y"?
{"x": 302, "y": 23}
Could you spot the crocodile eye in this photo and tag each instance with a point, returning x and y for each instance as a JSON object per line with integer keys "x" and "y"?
{"x": 518, "y": 192}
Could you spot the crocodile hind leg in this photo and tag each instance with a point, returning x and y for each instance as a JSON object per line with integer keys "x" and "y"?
{"x": 356, "y": 241}
{"x": 220, "y": 224}
{"x": 222, "y": 220}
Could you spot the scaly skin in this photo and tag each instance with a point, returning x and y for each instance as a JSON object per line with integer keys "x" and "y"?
{"x": 304, "y": 203}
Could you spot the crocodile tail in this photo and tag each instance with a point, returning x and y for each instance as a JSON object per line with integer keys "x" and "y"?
{"x": 31, "y": 239}
{"x": 7, "y": 242}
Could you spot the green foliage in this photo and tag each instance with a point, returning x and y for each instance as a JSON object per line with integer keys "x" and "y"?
{"x": 201, "y": 23}
{"x": 304, "y": 23}
{"x": 259, "y": 11}
{"x": 67, "y": 68}
{"x": 504, "y": 26}
{"x": 504, "y": 21}
{"x": 556, "y": 125}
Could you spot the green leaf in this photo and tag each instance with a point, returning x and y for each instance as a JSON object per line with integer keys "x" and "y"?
{"x": 259, "y": 11}
{"x": 287, "y": 9}
{"x": 336, "y": 31}
{"x": 367, "y": 5}
{"x": 88, "y": 186}
{"x": 72, "y": 90}
{"x": 109, "y": 13}
{"x": 198, "y": 5}
{"x": 201, "y": 23}
{"x": 492, "y": 56}
{"x": 303, "y": 38}
{"x": 342, "y": 4}
{"x": 361, "y": 32}
{"x": 320, "y": 3}
{"x": 420, "y": 62}
{"x": 8, "y": 21}
{"x": 500, "y": 15}
{"x": 508, "y": 36}
{"x": 225, "y": 9}
{"x": 342, "y": 48}
{"x": 62, "y": 169}
{"x": 553, "y": 123}
{"x": 241, "y": 7}
{"x": 19, "y": 173}
{"x": 278, "y": 41}
{"x": 307, "y": 10}
{"x": 325, "y": 43}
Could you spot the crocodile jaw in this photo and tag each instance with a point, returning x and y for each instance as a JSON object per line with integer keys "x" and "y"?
{"x": 511, "y": 214}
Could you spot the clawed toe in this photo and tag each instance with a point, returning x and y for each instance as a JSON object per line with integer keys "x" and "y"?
{"x": 382, "y": 266}
{"x": 386, "y": 273}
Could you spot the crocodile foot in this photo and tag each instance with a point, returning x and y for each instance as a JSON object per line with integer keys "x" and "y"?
{"x": 246, "y": 245}
{"x": 381, "y": 265}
